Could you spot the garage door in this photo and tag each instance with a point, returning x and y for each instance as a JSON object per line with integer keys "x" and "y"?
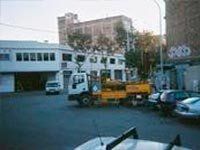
{"x": 6, "y": 83}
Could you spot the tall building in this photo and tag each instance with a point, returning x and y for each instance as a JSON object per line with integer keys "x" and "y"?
{"x": 69, "y": 23}
{"x": 183, "y": 43}
{"x": 183, "y": 25}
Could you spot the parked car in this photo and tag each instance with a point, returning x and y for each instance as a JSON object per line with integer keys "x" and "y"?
{"x": 193, "y": 94}
{"x": 129, "y": 140}
{"x": 170, "y": 98}
{"x": 53, "y": 87}
{"x": 154, "y": 99}
{"x": 189, "y": 108}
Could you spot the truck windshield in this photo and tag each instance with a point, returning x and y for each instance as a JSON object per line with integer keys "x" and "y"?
{"x": 52, "y": 84}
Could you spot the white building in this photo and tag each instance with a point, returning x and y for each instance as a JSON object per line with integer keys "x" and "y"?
{"x": 27, "y": 65}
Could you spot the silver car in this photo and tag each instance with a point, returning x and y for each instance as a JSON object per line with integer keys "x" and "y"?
{"x": 189, "y": 108}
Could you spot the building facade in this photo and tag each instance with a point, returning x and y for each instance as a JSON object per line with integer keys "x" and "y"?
{"x": 183, "y": 43}
{"x": 183, "y": 25}
{"x": 28, "y": 65}
{"x": 69, "y": 23}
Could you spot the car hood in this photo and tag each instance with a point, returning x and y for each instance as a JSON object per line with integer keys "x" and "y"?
{"x": 128, "y": 144}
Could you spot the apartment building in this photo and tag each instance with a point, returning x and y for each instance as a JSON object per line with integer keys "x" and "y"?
{"x": 69, "y": 23}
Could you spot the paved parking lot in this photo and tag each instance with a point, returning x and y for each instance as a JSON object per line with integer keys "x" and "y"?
{"x": 36, "y": 121}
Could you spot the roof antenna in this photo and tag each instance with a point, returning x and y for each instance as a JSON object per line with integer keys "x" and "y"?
{"x": 98, "y": 133}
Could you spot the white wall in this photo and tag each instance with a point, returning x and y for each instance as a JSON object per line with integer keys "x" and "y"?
{"x": 88, "y": 66}
{"x": 7, "y": 83}
{"x": 29, "y": 66}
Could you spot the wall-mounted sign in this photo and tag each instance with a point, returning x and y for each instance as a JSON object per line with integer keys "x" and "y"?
{"x": 178, "y": 52}
{"x": 64, "y": 65}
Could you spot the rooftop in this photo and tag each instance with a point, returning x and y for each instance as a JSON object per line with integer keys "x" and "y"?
{"x": 31, "y": 45}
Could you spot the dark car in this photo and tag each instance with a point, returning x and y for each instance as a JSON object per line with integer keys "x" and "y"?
{"x": 193, "y": 94}
{"x": 170, "y": 98}
{"x": 189, "y": 108}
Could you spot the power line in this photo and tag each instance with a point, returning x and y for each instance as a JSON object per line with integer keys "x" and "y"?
{"x": 27, "y": 28}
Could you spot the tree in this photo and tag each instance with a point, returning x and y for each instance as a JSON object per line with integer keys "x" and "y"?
{"x": 79, "y": 61}
{"x": 80, "y": 41}
{"x": 146, "y": 54}
{"x": 104, "y": 43}
{"x": 122, "y": 34}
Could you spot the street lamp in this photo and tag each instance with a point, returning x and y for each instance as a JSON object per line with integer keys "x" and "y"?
{"x": 160, "y": 41}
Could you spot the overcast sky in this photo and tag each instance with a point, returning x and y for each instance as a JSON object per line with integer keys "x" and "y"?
{"x": 42, "y": 14}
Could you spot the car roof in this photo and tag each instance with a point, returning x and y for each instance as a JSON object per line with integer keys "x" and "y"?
{"x": 52, "y": 81}
{"x": 172, "y": 90}
{"x": 128, "y": 144}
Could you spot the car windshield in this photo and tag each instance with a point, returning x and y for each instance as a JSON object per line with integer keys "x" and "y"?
{"x": 194, "y": 94}
{"x": 52, "y": 84}
{"x": 191, "y": 100}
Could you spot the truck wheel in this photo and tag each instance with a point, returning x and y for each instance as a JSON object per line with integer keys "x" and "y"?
{"x": 134, "y": 102}
{"x": 85, "y": 100}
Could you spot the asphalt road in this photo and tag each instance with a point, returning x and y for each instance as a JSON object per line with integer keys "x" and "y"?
{"x": 36, "y": 121}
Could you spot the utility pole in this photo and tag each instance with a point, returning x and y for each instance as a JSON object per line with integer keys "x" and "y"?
{"x": 160, "y": 41}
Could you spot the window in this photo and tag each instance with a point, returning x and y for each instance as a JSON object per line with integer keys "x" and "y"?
{"x": 4, "y": 57}
{"x": 32, "y": 57}
{"x": 93, "y": 59}
{"x": 39, "y": 56}
{"x": 52, "y": 56}
{"x": 104, "y": 60}
{"x": 26, "y": 56}
{"x": 120, "y": 61}
{"x": 94, "y": 73}
{"x": 19, "y": 56}
{"x": 46, "y": 56}
{"x": 81, "y": 58}
{"x": 112, "y": 60}
{"x": 105, "y": 73}
{"x": 77, "y": 79}
{"x": 67, "y": 57}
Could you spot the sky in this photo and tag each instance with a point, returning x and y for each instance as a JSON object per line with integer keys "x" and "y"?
{"x": 42, "y": 14}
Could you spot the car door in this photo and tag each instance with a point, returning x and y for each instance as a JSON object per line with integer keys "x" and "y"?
{"x": 179, "y": 96}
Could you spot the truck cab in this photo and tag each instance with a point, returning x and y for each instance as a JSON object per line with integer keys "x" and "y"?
{"x": 81, "y": 87}
{"x": 78, "y": 84}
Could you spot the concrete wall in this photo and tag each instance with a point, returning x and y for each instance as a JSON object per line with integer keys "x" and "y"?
{"x": 192, "y": 78}
{"x": 7, "y": 83}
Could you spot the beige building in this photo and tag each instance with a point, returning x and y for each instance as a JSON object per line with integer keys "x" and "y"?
{"x": 69, "y": 23}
